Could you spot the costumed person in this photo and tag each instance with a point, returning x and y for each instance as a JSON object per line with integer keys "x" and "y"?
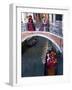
{"x": 46, "y": 60}
{"x": 45, "y": 24}
{"x": 51, "y": 64}
{"x": 30, "y": 24}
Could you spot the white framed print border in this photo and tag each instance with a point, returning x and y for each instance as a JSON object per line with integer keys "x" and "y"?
{"x": 15, "y": 39}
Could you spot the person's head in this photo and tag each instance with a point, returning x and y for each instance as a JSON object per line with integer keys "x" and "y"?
{"x": 30, "y": 19}
{"x": 53, "y": 53}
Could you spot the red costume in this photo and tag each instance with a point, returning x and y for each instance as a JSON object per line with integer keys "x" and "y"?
{"x": 50, "y": 65}
{"x": 52, "y": 62}
{"x": 30, "y": 24}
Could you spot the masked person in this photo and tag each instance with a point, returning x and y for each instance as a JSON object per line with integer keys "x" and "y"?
{"x": 52, "y": 63}
{"x": 30, "y": 24}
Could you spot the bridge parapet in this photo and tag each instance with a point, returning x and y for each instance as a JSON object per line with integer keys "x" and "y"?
{"x": 54, "y": 38}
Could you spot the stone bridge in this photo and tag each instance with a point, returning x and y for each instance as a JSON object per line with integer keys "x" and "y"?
{"x": 57, "y": 40}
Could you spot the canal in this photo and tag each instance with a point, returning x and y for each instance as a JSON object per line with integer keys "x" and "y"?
{"x": 33, "y": 58}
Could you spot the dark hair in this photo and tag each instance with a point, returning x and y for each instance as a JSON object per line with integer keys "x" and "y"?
{"x": 30, "y": 19}
{"x": 49, "y": 51}
{"x": 30, "y": 16}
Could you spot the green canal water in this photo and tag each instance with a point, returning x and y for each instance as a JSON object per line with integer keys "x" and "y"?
{"x": 32, "y": 64}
